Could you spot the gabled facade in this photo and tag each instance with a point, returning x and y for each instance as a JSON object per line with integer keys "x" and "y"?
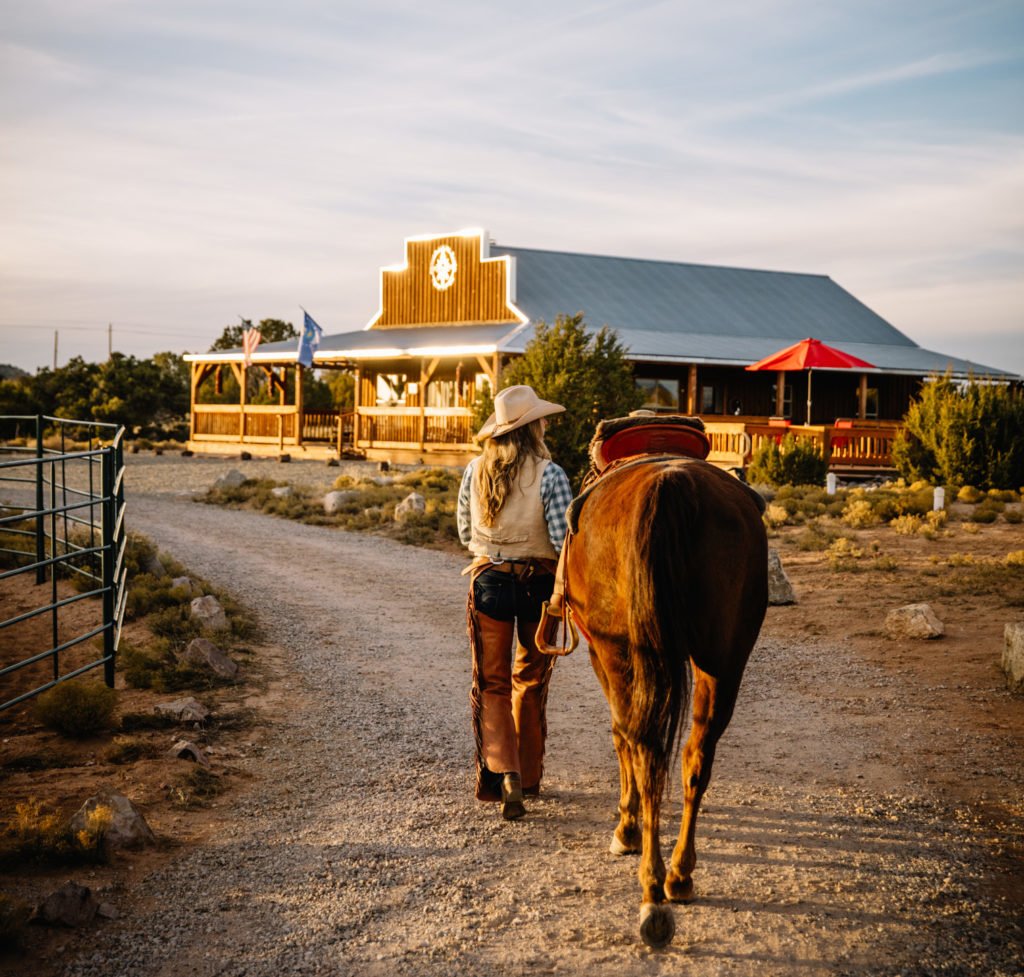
{"x": 459, "y": 307}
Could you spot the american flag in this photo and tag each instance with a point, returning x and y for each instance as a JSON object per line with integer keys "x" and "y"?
{"x": 250, "y": 340}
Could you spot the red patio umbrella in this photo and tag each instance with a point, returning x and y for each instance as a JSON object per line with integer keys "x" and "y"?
{"x": 810, "y": 354}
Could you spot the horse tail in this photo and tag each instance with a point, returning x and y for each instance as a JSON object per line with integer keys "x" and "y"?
{"x": 659, "y": 626}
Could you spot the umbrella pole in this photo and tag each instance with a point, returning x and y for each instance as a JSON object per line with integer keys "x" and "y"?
{"x": 809, "y": 372}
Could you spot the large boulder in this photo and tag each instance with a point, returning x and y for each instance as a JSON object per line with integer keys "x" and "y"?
{"x": 71, "y": 905}
{"x": 913, "y": 621}
{"x": 1013, "y": 656}
{"x": 205, "y": 654}
{"x": 233, "y": 479}
{"x": 208, "y": 612}
{"x": 412, "y": 505}
{"x": 780, "y": 590}
{"x": 187, "y": 710}
{"x": 335, "y": 501}
{"x": 126, "y": 827}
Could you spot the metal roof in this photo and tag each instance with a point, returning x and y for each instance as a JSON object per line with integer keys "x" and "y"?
{"x": 662, "y": 311}
{"x": 674, "y": 312}
{"x": 384, "y": 343}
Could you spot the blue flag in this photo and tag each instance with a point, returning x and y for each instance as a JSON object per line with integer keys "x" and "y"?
{"x": 309, "y": 341}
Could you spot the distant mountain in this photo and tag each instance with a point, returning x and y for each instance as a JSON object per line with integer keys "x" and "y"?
{"x": 9, "y": 372}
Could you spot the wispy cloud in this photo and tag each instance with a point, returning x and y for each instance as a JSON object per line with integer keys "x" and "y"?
{"x": 165, "y": 165}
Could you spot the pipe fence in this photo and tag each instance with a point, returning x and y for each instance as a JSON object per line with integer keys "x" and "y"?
{"x": 61, "y": 519}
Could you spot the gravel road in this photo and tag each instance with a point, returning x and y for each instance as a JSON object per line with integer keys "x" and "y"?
{"x": 364, "y": 852}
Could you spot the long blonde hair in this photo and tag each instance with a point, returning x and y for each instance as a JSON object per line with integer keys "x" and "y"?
{"x": 498, "y": 468}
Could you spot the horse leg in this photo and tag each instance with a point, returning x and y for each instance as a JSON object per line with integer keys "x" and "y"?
{"x": 626, "y": 839}
{"x": 657, "y": 923}
{"x": 712, "y": 709}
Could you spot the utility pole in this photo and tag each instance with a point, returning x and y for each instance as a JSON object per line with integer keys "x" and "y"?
{"x": 110, "y": 340}
{"x": 55, "y": 334}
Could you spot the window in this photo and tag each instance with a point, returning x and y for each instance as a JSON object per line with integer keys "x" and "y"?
{"x": 707, "y": 400}
{"x": 391, "y": 389}
{"x": 787, "y": 399}
{"x": 659, "y": 393}
{"x": 872, "y": 403}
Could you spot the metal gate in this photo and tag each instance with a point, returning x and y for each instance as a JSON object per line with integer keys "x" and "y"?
{"x": 62, "y": 517}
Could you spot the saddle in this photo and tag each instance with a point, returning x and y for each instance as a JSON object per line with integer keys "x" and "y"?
{"x": 618, "y": 442}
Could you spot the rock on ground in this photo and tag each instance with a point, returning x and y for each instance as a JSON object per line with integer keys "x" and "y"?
{"x": 1013, "y": 656}
{"x": 127, "y": 828}
{"x": 913, "y": 621}
{"x": 208, "y": 612}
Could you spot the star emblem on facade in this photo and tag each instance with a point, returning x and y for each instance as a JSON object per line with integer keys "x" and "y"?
{"x": 443, "y": 267}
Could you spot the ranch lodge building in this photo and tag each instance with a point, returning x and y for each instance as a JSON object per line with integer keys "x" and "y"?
{"x": 459, "y": 307}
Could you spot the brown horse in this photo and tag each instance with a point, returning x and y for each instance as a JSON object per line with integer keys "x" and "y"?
{"x": 668, "y": 566}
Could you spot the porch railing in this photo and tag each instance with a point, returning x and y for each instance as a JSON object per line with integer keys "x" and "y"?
{"x": 845, "y": 444}
{"x": 63, "y": 518}
{"x": 271, "y": 424}
{"x": 406, "y": 427}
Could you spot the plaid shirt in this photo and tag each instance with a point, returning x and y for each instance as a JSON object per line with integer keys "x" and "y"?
{"x": 555, "y": 493}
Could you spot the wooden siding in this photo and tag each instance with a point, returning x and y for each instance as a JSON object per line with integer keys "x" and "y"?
{"x": 477, "y": 294}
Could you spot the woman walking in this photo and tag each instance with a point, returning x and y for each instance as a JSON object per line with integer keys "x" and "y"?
{"x": 511, "y": 515}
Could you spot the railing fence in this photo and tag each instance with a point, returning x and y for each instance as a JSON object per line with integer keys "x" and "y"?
{"x": 62, "y": 517}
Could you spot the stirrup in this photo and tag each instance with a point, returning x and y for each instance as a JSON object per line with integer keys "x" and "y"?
{"x": 548, "y": 628}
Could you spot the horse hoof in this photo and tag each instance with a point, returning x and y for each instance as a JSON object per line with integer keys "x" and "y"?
{"x": 679, "y": 890}
{"x": 621, "y": 848}
{"x": 657, "y": 925}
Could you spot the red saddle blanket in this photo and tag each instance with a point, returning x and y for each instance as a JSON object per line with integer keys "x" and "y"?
{"x": 626, "y": 437}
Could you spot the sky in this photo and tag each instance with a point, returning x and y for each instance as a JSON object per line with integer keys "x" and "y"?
{"x": 166, "y": 167}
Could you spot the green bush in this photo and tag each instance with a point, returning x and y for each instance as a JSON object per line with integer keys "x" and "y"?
{"x": 75, "y": 709}
{"x": 963, "y": 434}
{"x": 793, "y": 462}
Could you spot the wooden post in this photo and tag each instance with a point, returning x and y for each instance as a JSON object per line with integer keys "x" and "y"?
{"x": 193, "y": 394}
{"x": 862, "y": 411}
{"x": 241, "y": 375}
{"x": 298, "y": 403}
{"x": 356, "y": 403}
{"x": 780, "y": 392}
{"x": 423, "y": 404}
{"x": 691, "y": 390}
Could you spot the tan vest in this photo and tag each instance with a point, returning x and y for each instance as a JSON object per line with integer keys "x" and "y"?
{"x": 520, "y": 530}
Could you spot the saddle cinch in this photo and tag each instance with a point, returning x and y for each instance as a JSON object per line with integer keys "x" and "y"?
{"x": 617, "y": 443}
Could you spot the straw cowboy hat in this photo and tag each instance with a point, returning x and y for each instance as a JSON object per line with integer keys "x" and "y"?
{"x": 515, "y": 407}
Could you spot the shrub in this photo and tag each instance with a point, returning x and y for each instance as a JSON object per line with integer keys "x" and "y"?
{"x": 970, "y": 495}
{"x": 984, "y": 514}
{"x": 196, "y": 788}
{"x": 37, "y": 833}
{"x": 843, "y": 553}
{"x": 1002, "y": 495}
{"x": 75, "y": 709}
{"x": 1015, "y": 559}
{"x": 906, "y": 525}
{"x": 128, "y": 749}
{"x": 1014, "y": 516}
{"x": 859, "y": 514}
{"x": 963, "y": 434}
{"x": 793, "y": 462}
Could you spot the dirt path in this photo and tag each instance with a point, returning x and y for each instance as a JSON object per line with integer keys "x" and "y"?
{"x": 821, "y": 852}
